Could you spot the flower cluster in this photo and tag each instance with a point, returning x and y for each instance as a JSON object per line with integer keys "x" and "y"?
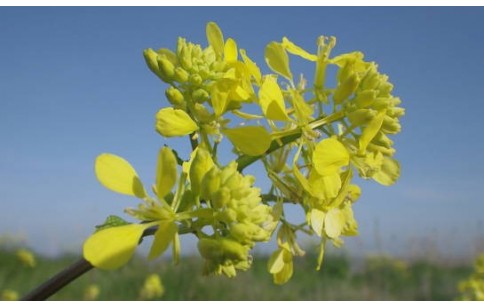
{"x": 311, "y": 139}
{"x": 472, "y": 289}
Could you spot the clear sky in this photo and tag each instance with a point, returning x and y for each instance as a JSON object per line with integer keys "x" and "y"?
{"x": 73, "y": 84}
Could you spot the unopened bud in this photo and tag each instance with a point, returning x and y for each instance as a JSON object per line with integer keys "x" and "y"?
{"x": 181, "y": 75}
{"x": 167, "y": 69}
{"x": 196, "y": 79}
{"x": 346, "y": 88}
{"x": 175, "y": 97}
{"x": 361, "y": 116}
{"x": 210, "y": 183}
{"x": 151, "y": 58}
{"x": 221, "y": 198}
{"x": 200, "y": 95}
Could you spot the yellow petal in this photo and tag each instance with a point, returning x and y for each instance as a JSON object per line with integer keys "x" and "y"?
{"x": 389, "y": 172}
{"x": 329, "y": 156}
{"x": 230, "y": 51}
{"x": 201, "y": 164}
{"x": 250, "y": 140}
{"x": 276, "y": 262}
{"x": 215, "y": 38}
{"x": 271, "y": 100}
{"x": 286, "y": 273}
{"x": 277, "y": 59}
{"x": 113, "y": 247}
{"x": 317, "y": 221}
{"x": 251, "y": 66}
{"x": 219, "y": 96}
{"x": 116, "y": 174}
{"x": 334, "y": 222}
{"x": 165, "y": 172}
{"x": 298, "y": 51}
{"x": 326, "y": 186}
{"x": 163, "y": 237}
{"x": 370, "y": 131}
{"x": 174, "y": 122}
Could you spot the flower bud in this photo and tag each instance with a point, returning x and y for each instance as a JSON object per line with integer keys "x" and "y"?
{"x": 365, "y": 98}
{"x": 382, "y": 140}
{"x": 371, "y": 79}
{"x": 200, "y": 95}
{"x": 390, "y": 125}
{"x": 222, "y": 250}
{"x": 181, "y": 75}
{"x": 210, "y": 183}
{"x": 247, "y": 233}
{"x": 221, "y": 198}
{"x": 201, "y": 164}
{"x": 185, "y": 57}
{"x": 167, "y": 69}
{"x": 151, "y": 60}
{"x": 345, "y": 89}
{"x": 196, "y": 79}
{"x": 361, "y": 116}
{"x": 396, "y": 112}
{"x": 175, "y": 97}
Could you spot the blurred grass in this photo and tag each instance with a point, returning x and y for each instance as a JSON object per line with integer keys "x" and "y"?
{"x": 377, "y": 278}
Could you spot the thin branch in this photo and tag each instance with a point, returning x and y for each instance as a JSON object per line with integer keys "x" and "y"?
{"x": 245, "y": 160}
{"x": 57, "y": 282}
{"x": 71, "y": 273}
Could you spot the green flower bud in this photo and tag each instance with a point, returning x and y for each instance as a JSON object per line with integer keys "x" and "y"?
{"x": 210, "y": 183}
{"x": 248, "y": 233}
{"x": 185, "y": 57}
{"x": 202, "y": 114}
{"x": 222, "y": 250}
{"x": 221, "y": 198}
{"x": 382, "y": 140}
{"x": 396, "y": 112}
{"x": 371, "y": 79}
{"x": 227, "y": 216}
{"x": 365, "y": 98}
{"x": 378, "y": 148}
{"x": 385, "y": 88}
{"x": 345, "y": 89}
{"x": 175, "y": 97}
{"x": 361, "y": 116}
{"x": 390, "y": 125}
{"x": 180, "y": 44}
{"x": 200, "y": 95}
{"x": 196, "y": 79}
{"x": 202, "y": 163}
{"x": 181, "y": 75}
{"x": 167, "y": 69}
{"x": 151, "y": 60}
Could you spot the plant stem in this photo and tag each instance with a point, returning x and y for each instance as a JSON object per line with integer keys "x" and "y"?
{"x": 60, "y": 280}
{"x": 71, "y": 273}
{"x": 245, "y": 160}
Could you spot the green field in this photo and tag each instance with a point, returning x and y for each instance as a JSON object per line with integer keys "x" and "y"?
{"x": 376, "y": 278}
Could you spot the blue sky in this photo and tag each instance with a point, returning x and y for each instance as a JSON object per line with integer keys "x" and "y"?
{"x": 73, "y": 84}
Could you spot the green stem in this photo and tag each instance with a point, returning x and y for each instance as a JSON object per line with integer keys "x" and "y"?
{"x": 245, "y": 160}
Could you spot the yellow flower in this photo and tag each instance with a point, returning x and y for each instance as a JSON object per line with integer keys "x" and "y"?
{"x": 26, "y": 257}
{"x": 152, "y": 288}
{"x": 9, "y": 295}
{"x": 112, "y": 247}
{"x": 91, "y": 292}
